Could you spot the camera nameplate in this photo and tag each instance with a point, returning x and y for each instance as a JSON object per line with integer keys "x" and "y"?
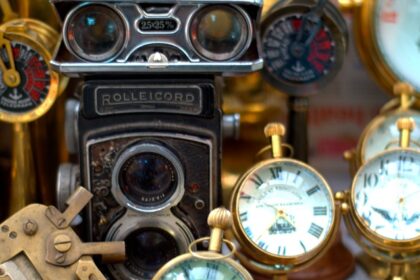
{"x": 179, "y": 99}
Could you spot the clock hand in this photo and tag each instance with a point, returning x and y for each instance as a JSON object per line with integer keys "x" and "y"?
{"x": 412, "y": 219}
{"x": 411, "y": 195}
{"x": 385, "y": 214}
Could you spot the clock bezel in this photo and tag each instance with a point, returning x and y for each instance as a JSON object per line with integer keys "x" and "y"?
{"x": 250, "y": 248}
{"x": 380, "y": 241}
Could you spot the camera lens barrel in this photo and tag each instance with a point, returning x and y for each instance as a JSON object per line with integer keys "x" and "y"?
{"x": 148, "y": 178}
{"x": 94, "y": 32}
{"x": 150, "y": 241}
{"x": 220, "y": 32}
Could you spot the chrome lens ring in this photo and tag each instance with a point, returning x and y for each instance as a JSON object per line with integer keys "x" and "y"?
{"x": 94, "y": 32}
{"x": 148, "y": 178}
{"x": 220, "y": 32}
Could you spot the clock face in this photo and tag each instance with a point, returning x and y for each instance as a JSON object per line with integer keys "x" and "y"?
{"x": 35, "y": 80}
{"x": 386, "y": 194}
{"x": 397, "y": 29}
{"x": 386, "y": 135}
{"x": 198, "y": 269}
{"x": 284, "y": 208}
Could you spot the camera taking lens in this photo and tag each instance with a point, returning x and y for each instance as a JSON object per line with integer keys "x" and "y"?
{"x": 148, "y": 179}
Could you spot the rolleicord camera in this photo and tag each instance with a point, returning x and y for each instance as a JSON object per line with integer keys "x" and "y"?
{"x": 148, "y": 123}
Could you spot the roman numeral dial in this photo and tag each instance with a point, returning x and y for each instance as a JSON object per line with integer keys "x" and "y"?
{"x": 283, "y": 209}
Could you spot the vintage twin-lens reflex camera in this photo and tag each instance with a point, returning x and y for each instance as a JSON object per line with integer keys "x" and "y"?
{"x": 148, "y": 124}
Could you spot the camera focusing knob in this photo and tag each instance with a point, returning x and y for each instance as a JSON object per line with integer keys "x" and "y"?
{"x": 231, "y": 126}
{"x": 157, "y": 58}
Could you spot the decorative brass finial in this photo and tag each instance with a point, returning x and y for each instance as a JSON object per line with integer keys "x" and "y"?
{"x": 405, "y": 126}
{"x": 220, "y": 219}
{"x": 275, "y": 131}
{"x": 404, "y": 90}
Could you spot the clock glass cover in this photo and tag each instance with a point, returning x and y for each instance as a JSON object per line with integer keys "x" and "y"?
{"x": 385, "y": 135}
{"x": 285, "y": 208}
{"x": 386, "y": 195}
{"x": 199, "y": 269}
{"x": 397, "y": 31}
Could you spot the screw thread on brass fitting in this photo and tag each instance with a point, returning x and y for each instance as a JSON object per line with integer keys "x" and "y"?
{"x": 405, "y": 126}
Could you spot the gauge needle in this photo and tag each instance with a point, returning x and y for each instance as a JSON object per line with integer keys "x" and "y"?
{"x": 313, "y": 16}
{"x": 385, "y": 214}
{"x": 10, "y": 77}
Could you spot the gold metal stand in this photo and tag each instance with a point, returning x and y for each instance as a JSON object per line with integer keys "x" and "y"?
{"x": 380, "y": 270}
{"x": 22, "y": 190}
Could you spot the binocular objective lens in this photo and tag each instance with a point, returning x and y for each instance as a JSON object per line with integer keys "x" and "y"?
{"x": 219, "y": 33}
{"x": 95, "y": 32}
{"x": 148, "y": 179}
{"x": 148, "y": 249}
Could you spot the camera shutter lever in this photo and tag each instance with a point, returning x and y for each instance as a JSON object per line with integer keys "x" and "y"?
{"x": 76, "y": 203}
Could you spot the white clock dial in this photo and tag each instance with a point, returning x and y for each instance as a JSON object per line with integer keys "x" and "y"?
{"x": 285, "y": 208}
{"x": 386, "y": 135}
{"x": 386, "y": 194}
{"x": 397, "y": 29}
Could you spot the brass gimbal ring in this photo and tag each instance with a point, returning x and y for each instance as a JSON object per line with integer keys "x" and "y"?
{"x": 216, "y": 256}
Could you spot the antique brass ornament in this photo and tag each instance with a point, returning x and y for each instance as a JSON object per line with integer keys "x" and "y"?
{"x": 211, "y": 264}
{"x": 38, "y": 243}
{"x": 284, "y": 213}
{"x": 386, "y": 35}
{"x": 383, "y": 212}
{"x": 381, "y": 133}
{"x": 28, "y": 89}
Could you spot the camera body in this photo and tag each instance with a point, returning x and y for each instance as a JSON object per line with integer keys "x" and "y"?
{"x": 154, "y": 169}
{"x": 148, "y": 125}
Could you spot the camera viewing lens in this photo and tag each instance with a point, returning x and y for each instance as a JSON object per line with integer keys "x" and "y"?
{"x": 148, "y": 179}
{"x": 219, "y": 33}
{"x": 95, "y": 32}
{"x": 148, "y": 249}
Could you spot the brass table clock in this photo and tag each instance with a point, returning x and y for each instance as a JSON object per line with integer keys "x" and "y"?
{"x": 211, "y": 264}
{"x": 28, "y": 88}
{"x": 383, "y": 205}
{"x": 386, "y": 34}
{"x": 381, "y": 133}
{"x": 284, "y": 212}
